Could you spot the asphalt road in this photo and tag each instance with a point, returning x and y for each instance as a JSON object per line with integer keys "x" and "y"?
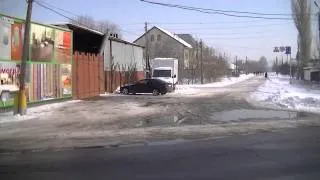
{"x": 285, "y": 154}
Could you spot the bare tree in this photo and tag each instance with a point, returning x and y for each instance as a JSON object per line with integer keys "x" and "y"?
{"x": 103, "y": 26}
{"x": 85, "y": 20}
{"x": 263, "y": 64}
{"x": 301, "y": 10}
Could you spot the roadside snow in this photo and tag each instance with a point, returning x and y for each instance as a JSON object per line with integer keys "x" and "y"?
{"x": 35, "y": 112}
{"x": 277, "y": 90}
{"x": 223, "y": 82}
{"x": 229, "y": 81}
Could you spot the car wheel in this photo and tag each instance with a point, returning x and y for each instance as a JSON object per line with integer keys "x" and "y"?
{"x": 125, "y": 91}
{"x": 155, "y": 92}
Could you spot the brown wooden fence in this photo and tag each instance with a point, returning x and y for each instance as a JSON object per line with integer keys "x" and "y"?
{"x": 88, "y": 75}
{"x": 114, "y": 79}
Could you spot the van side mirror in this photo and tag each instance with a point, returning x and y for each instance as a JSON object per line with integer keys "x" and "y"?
{"x": 174, "y": 76}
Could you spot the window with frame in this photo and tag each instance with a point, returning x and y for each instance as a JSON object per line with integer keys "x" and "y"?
{"x": 152, "y": 37}
{"x": 158, "y": 37}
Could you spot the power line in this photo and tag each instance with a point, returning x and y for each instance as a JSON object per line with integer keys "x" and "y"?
{"x": 46, "y": 7}
{"x": 223, "y": 28}
{"x": 193, "y": 23}
{"x": 245, "y": 37}
{"x": 226, "y": 11}
{"x": 130, "y": 32}
{"x": 232, "y": 27}
{"x": 51, "y": 9}
{"x": 203, "y": 23}
{"x": 212, "y": 11}
{"x": 240, "y": 47}
{"x": 228, "y": 34}
{"x": 52, "y": 6}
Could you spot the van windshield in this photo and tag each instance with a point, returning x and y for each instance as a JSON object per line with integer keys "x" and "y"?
{"x": 162, "y": 73}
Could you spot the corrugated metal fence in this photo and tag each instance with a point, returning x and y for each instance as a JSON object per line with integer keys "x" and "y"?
{"x": 88, "y": 75}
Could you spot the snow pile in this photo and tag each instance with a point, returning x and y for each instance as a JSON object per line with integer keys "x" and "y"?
{"x": 196, "y": 88}
{"x": 229, "y": 81}
{"x": 35, "y": 112}
{"x": 9, "y": 117}
{"x": 277, "y": 90}
{"x": 185, "y": 90}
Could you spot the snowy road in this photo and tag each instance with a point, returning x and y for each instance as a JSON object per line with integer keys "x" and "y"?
{"x": 285, "y": 154}
{"x": 120, "y": 120}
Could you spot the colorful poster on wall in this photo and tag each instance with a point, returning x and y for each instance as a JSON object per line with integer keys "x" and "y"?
{"x": 42, "y": 43}
{"x": 63, "y": 47}
{"x": 9, "y": 82}
{"x": 66, "y": 79}
{"x": 5, "y": 40}
{"x": 17, "y": 32}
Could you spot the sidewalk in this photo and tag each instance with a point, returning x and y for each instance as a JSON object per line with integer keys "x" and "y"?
{"x": 278, "y": 91}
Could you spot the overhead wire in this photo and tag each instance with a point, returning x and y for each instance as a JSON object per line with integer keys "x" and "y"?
{"x": 52, "y": 6}
{"x": 221, "y": 12}
{"x": 67, "y": 17}
{"x": 57, "y": 12}
{"x": 232, "y": 27}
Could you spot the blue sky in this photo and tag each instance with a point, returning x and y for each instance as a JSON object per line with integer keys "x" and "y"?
{"x": 236, "y": 36}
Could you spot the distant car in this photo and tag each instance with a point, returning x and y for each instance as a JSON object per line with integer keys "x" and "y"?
{"x": 154, "y": 86}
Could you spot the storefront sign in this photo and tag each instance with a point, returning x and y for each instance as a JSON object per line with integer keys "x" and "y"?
{"x": 10, "y": 71}
{"x": 6, "y": 20}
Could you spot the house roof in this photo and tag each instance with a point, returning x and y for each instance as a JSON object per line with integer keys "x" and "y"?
{"x": 189, "y": 39}
{"x": 72, "y": 25}
{"x": 175, "y": 37}
{"x": 123, "y": 41}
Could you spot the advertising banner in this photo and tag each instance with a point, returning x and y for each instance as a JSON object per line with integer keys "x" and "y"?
{"x": 17, "y": 32}
{"x": 66, "y": 79}
{"x": 9, "y": 82}
{"x": 42, "y": 43}
{"x": 5, "y": 40}
{"x": 49, "y": 67}
{"x": 63, "y": 47}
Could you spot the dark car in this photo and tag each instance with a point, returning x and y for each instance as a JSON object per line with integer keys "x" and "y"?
{"x": 154, "y": 86}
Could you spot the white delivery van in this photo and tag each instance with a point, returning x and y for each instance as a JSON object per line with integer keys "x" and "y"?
{"x": 165, "y": 69}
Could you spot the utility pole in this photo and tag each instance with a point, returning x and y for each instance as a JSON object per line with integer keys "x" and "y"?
{"x": 22, "y": 100}
{"x": 148, "y": 75}
{"x": 246, "y": 64}
{"x": 277, "y": 69}
{"x": 201, "y": 63}
{"x": 290, "y": 68}
{"x": 195, "y": 65}
{"x": 319, "y": 24}
{"x": 315, "y": 2}
{"x": 236, "y": 65}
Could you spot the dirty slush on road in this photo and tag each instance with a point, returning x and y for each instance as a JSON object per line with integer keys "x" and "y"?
{"x": 114, "y": 120}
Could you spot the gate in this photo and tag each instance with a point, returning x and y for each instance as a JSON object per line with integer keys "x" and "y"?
{"x": 88, "y": 75}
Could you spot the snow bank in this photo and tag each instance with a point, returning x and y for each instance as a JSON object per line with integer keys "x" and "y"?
{"x": 277, "y": 90}
{"x": 185, "y": 90}
{"x": 35, "y": 112}
{"x": 229, "y": 81}
{"x": 196, "y": 88}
